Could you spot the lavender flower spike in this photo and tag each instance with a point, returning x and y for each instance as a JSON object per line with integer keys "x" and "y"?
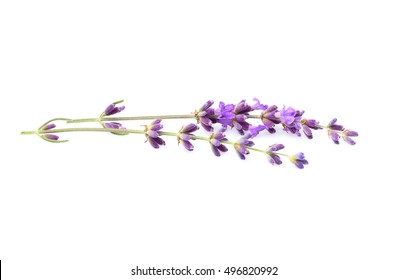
{"x": 215, "y": 142}
{"x": 307, "y": 125}
{"x": 241, "y": 111}
{"x": 184, "y": 135}
{"x": 334, "y": 131}
{"x": 273, "y": 157}
{"x": 241, "y": 146}
{"x": 152, "y": 134}
{"x": 268, "y": 118}
{"x": 290, "y": 119}
{"x": 299, "y": 160}
{"x": 225, "y": 114}
{"x": 205, "y": 115}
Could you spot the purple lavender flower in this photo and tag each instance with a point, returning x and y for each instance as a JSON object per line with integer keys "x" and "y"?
{"x": 334, "y": 136}
{"x": 273, "y": 157}
{"x": 215, "y": 142}
{"x": 185, "y": 134}
{"x": 241, "y": 111}
{"x": 206, "y": 115}
{"x": 114, "y": 125}
{"x": 308, "y": 125}
{"x": 152, "y": 134}
{"x": 241, "y": 146}
{"x": 113, "y": 109}
{"x": 255, "y": 130}
{"x": 290, "y": 119}
{"x": 299, "y": 160}
{"x": 347, "y": 134}
{"x": 334, "y": 126}
{"x": 225, "y": 114}
{"x": 51, "y": 137}
{"x": 258, "y": 105}
{"x": 268, "y": 118}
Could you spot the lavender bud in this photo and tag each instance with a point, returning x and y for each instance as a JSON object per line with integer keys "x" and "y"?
{"x": 299, "y": 160}
{"x": 49, "y": 126}
{"x": 51, "y": 136}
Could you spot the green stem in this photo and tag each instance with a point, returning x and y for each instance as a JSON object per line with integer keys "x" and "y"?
{"x": 125, "y": 131}
{"x": 130, "y": 131}
{"x": 254, "y": 116}
{"x": 83, "y": 129}
{"x": 255, "y": 149}
{"x": 29, "y": 132}
{"x": 137, "y": 118}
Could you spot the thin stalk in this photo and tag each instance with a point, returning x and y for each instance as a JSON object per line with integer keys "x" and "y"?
{"x": 136, "y": 118}
{"x": 130, "y": 131}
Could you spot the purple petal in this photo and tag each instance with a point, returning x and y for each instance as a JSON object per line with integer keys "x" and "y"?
{"x": 271, "y": 130}
{"x": 241, "y": 118}
{"x": 187, "y": 145}
{"x": 156, "y": 127}
{"x": 153, "y": 133}
{"x": 222, "y": 148}
{"x": 241, "y": 155}
{"x": 206, "y": 105}
{"x": 298, "y": 164}
{"x": 333, "y": 121}
{"x": 109, "y": 109}
{"x": 348, "y": 140}
{"x": 351, "y": 133}
{"x": 287, "y": 119}
{"x": 229, "y": 107}
{"x": 215, "y": 151}
{"x": 272, "y": 109}
{"x": 277, "y": 159}
{"x": 274, "y": 159}
{"x": 156, "y": 121}
{"x": 258, "y": 105}
{"x": 153, "y": 142}
{"x": 313, "y": 124}
{"x": 189, "y": 128}
{"x": 255, "y": 130}
{"x": 308, "y": 132}
{"x": 225, "y": 121}
{"x": 184, "y": 137}
{"x": 334, "y": 136}
{"x": 159, "y": 141}
{"x": 205, "y": 120}
{"x": 237, "y": 126}
{"x": 275, "y": 147}
{"x": 268, "y": 123}
{"x": 208, "y": 128}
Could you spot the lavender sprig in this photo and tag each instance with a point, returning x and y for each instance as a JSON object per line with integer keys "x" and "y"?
{"x": 153, "y": 133}
{"x": 235, "y": 116}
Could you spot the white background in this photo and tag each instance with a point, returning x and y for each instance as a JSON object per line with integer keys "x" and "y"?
{"x": 99, "y": 205}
